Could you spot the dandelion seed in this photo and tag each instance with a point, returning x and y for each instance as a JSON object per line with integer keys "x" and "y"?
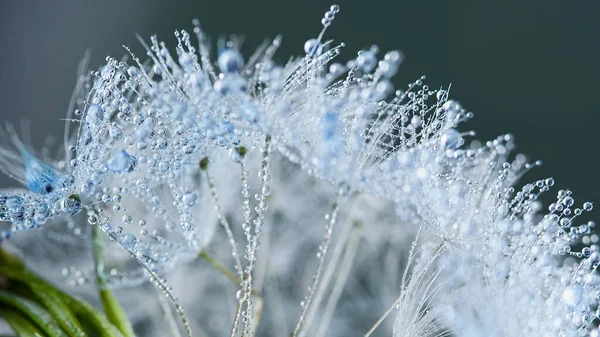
{"x": 174, "y": 147}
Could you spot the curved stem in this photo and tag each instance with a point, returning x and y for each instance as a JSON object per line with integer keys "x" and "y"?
{"x": 436, "y": 253}
{"x": 113, "y": 310}
{"x": 322, "y": 253}
{"x": 224, "y": 223}
{"x": 340, "y": 281}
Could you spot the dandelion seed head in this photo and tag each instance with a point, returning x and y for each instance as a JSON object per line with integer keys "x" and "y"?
{"x": 183, "y": 153}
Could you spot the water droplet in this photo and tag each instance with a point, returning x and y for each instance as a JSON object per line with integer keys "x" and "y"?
{"x": 240, "y": 295}
{"x": 230, "y": 61}
{"x": 366, "y": 60}
{"x": 451, "y": 139}
{"x": 72, "y": 205}
{"x": 313, "y": 47}
{"x": 189, "y": 199}
{"x": 568, "y": 201}
{"x": 120, "y": 162}
{"x": 95, "y": 114}
{"x": 128, "y": 241}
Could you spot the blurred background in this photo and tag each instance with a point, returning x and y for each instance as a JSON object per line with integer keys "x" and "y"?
{"x": 531, "y": 68}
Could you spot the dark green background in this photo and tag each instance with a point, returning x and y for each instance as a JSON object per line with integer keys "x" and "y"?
{"x": 530, "y": 68}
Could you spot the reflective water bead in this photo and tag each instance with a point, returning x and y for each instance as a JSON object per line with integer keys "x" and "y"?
{"x": 121, "y": 161}
{"x": 313, "y": 47}
{"x": 416, "y": 121}
{"x": 336, "y": 69}
{"x": 163, "y": 166}
{"x": 568, "y": 201}
{"x": 240, "y": 295}
{"x": 95, "y": 114}
{"x": 14, "y": 205}
{"x": 92, "y": 219}
{"x": 451, "y": 106}
{"x": 451, "y": 139}
{"x": 329, "y": 16}
{"x": 138, "y": 119}
{"x": 42, "y": 209}
{"x": 72, "y": 205}
{"x": 383, "y": 88}
{"x": 67, "y": 181}
{"x": 161, "y": 143}
{"x": 142, "y": 182}
{"x": 441, "y": 95}
{"x": 387, "y": 69}
{"x": 97, "y": 177}
{"x": 230, "y": 61}
{"x": 87, "y": 188}
{"x": 588, "y": 206}
{"x": 128, "y": 241}
{"x": 394, "y": 56}
{"x": 115, "y": 132}
{"x": 366, "y": 60}
{"x": 133, "y": 71}
{"x": 186, "y": 60}
{"x": 189, "y": 199}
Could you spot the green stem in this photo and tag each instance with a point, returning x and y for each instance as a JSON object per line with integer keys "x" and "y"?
{"x": 220, "y": 267}
{"x": 224, "y": 270}
{"x": 33, "y": 312}
{"x": 113, "y": 310}
{"x": 68, "y": 311}
{"x": 22, "y": 326}
{"x": 231, "y": 276}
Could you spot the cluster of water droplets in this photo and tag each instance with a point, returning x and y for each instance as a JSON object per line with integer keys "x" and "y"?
{"x": 50, "y": 192}
{"x": 168, "y": 150}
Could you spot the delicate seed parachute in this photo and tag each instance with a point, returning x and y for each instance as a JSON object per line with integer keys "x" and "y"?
{"x": 304, "y": 185}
